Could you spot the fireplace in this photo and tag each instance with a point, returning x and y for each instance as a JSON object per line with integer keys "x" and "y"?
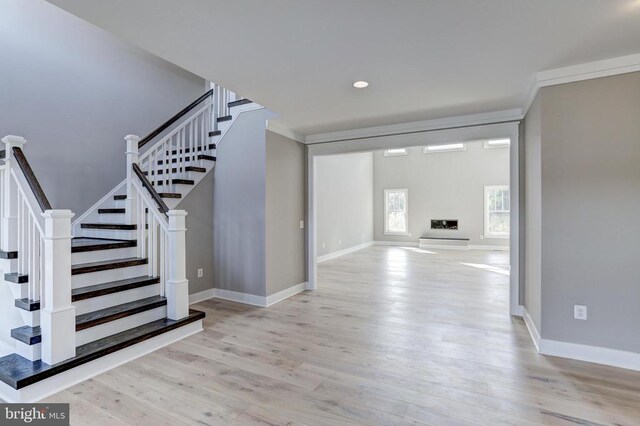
{"x": 448, "y": 224}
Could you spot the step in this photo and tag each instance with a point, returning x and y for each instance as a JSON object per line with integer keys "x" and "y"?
{"x": 206, "y": 157}
{"x": 215, "y": 133}
{"x": 169, "y": 195}
{"x": 188, "y": 150}
{"x": 16, "y": 278}
{"x": 27, "y": 335}
{"x": 2, "y": 154}
{"x": 112, "y": 211}
{"x": 239, "y": 102}
{"x": 120, "y": 197}
{"x": 8, "y": 254}
{"x": 224, "y": 118}
{"x": 88, "y": 250}
{"x": 27, "y": 305}
{"x": 175, "y": 170}
{"x": 82, "y": 244}
{"x": 177, "y": 182}
{"x": 113, "y": 313}
{"x": 112, "y": 287}
{"x": 18, "y": 372}
{"x": 109, "y": 226}
{"x": 87, "y": 268}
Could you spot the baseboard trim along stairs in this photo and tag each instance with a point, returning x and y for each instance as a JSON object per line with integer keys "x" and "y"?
{"x": 246, "y": 298}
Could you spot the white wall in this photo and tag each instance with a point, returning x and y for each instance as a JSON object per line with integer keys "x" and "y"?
{"x": 446, "y": 185}
{"x": 344, "y": 191}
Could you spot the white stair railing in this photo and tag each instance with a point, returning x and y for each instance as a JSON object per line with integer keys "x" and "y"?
{"x": 41, "y": 239}
{"x": 221, "y": 99}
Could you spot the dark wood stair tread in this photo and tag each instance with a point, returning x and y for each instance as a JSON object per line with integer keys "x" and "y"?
{"x": 119, "y": 197}
{"x": 27, "y": 335}
{"x": 19, "y": 372}
{"x": 239, "y": 102}
{"x": 224, "y": 118}
{"x": 113, "y": 313}
{"x": 175, "y": 170}
{"x": 2, "y": 154}
{"x": 86, "y": 268}
{"x": 215, "y": 133}
{"x": 8, "y": 254}
{"x": 169, "y": 195}
{"x": 16, "y": 278}
{"x": 112, "y": 287}
{"x": 27, "y": 305}
{"x": 206, "y": 157}
{"x": 112, "y": 211}
{"x": 81, "y": 244}
{"x": 110, "y": 226}
{"x": 178, "y": 182}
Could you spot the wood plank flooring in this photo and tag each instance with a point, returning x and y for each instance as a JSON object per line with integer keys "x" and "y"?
{"x": 392, "y": 336}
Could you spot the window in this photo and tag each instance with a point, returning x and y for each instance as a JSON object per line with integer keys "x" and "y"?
{"x": 496, "y": 211}
{"x": 395, "y": 152}
{"x": 497, "y": 143}
{"x": 395, "y": 212}
{"x": 444, "y": 148}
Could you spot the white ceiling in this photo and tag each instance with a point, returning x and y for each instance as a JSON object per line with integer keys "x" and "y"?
{"x": 424, "y": 59}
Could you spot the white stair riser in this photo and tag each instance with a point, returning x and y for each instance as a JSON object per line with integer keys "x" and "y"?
{"x": 32, "y": 319}
{"x": 117, "y": 204}
{"x": 109, "y": 300}
{"x": 112, "y": 218}
{"x": 109, "y": 234}
{"x": 93, "y": 278}
{"x": 30, "y": 352}
{"x": 113, "y": 327}
{"x": 102, "y": 255}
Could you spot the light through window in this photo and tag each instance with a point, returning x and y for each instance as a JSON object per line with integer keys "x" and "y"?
{"x": 395, "y": 208}
{"x": 497, "y": 201}
{"x": 444, "y": 148}
{"x": 395, "y": 152}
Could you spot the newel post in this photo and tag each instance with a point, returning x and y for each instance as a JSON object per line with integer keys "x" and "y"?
{"x": 177, "y": 285}
{"x": 10, "y": 194}
{"x": 132, "y": 158}
{"x": 58, "y": 315}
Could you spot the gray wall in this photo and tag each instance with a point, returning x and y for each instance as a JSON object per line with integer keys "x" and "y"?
{"x": 344, "y": 200}
{"x": 199, "y": 207}
{"x": 239, "y": 227}
{"x": 74, "y": 91}
{"x": 590, "y": 167}
{"x": 533, "y": 211}
{"x": 446, "y": 185}
{"x": 285, "y": 208}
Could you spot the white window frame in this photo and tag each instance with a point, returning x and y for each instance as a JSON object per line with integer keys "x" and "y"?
{"x": 406, "y": 213}
{"x": 390, "y": 153}
{"x": 487, "y": 233}
{"x": 450, "y": 147}
{"x": 488, "y": 145}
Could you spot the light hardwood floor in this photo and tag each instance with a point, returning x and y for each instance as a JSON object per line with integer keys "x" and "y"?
{"x": 392, "y": 336}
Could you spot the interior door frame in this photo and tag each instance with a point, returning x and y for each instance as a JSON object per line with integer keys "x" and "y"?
{"x": 508, "y": 129}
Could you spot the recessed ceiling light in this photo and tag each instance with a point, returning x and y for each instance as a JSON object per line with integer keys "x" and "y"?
{"x": 360, "y": 84}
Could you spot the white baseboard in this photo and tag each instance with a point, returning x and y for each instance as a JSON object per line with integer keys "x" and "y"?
{"x": 59, "y": 382}
{"x": 533, "y": 331}
{"x": 494, "y": 248}
{"x": 396, "y": 243}
{"x": 339, "y": 253}
{"x": 286, "y": 293}
{"x": 202, "y": 296}
{"x": 580, "y": 352}
{"x": 248, "y": 299}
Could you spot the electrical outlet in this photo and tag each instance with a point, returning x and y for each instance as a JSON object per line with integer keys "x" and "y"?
{"x": 323, "y": 245}
{"x": 200, "y": 273}
{"x": 580, "y": 312}
{"x": 339, "y": 242}
{"x": 302, "y": 224}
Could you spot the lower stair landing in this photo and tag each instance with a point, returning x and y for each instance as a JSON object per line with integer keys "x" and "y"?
{"x": 24, "y": 381}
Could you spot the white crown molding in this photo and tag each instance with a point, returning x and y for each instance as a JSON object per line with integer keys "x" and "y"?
{"x": 419, "y": 126}
{"x": 278, "y": 128}
{"x": 581, "y": 72}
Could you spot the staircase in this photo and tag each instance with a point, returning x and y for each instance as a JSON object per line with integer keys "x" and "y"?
{"x": 111, "y": 285}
